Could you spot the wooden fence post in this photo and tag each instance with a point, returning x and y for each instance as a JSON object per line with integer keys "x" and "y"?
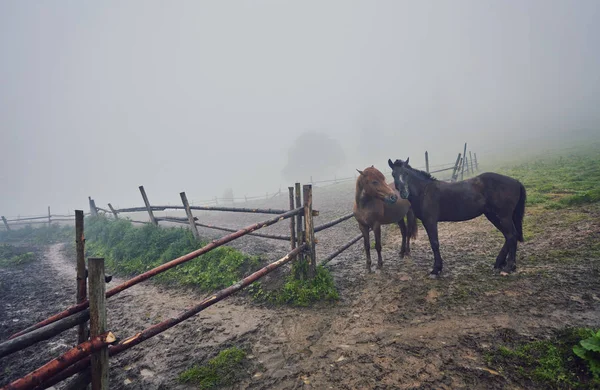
{"x": 93, "y": 210}
{"x": 292, "y": 220}
{"x": 476, "y": 164}
{"x": 97, "y": 287}
{"x": 426, "y": 162}
{"x": 471, "y": 161}
{"x": 49, "y": 217}
{"x": 148, "y": 207}
{"x": 309, "y": 229}
{"x": 5, "y": 223}
{"x": 299, "y": 231}
{"x": 462, "y": 173}
{"x": 455, "y": 170}
{"x": 113, "y": 211}
{"x": 190, "y": 216}
{"x": 82, "y": 331}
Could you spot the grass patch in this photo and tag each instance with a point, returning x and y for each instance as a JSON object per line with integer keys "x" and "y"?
{"x": 131, "y": 250}
{"x": 11, "y": 256}
{"x": 222, "y": 370}
{"x": 297, "y": 292}
{"x": 549, "y": 363}
{"x": 558, "y": 181}
{"x": 589, "y": 250}
{"x": 39, "y": 235}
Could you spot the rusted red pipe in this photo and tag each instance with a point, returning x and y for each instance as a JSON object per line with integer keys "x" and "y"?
{"x": 173, "y": 263}
{"x": 54, "y": 366}
{"x": 164, "y": 325}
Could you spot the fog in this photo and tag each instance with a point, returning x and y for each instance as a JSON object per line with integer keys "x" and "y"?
{"x": 99, "y": 98}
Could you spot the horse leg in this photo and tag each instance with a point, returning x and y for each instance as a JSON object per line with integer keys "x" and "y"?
{"x": 432, "y": 231}
{"x": 365, "y": 232}
{"x": 407, "y": 241}
{"x": 377, "y": 232}
{"x": 404, "y": 249}
{"x": 501, "y": 259}
{"x": 510, "y": 234}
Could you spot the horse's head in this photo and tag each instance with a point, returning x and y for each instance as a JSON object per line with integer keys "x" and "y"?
{"x": 400, "y": 174}
{"x": 372, "y": 181}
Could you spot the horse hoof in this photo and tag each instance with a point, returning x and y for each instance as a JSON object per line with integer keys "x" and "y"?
{"x": 503, "y": 273}
{"x": 402, "y": 255}
{"x": 434, "y": 276}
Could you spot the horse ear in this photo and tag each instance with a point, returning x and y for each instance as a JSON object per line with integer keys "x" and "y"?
{"x": 359, "y": 171}
{"x": 372, "y": 166}
{"x": 407, "y": 160}
{"x": 390, "y": 163}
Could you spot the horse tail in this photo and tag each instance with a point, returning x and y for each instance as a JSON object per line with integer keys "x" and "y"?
{"x": 519, "y": 213}
{"x": 412, "y": 229}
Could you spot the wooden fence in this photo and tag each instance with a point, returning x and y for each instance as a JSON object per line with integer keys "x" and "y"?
{"x": 95, "y": 351}
{"x": 459, "y": 167}
{"x": 40, "y": 219}
{"x": 89, "y": 359}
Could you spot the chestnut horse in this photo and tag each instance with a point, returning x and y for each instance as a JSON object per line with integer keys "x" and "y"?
{"x": 378, "y": 203}
{"x": 500, "y": 198}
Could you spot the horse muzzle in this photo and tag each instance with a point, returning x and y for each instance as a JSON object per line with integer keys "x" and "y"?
{"x": 391, "y": 199}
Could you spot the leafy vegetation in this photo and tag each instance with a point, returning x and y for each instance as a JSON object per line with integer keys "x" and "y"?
{"x": 132, "y": 250}
{"x": 589, "y": 350}
{"x": 39, "y": 235}
{"x": 551, "y": 362}
{"x": 12, "y": 256}
{"x": 300, "y": 292}
{"x": 222, "y": 370}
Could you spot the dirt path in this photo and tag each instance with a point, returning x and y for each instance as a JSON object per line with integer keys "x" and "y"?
{"x": 158, "y": 361}
{"x": 28, "y": 294}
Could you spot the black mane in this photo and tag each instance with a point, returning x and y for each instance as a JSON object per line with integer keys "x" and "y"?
{"x": 424, "y": 174}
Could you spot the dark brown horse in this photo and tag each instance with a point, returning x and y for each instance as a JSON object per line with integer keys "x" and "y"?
{"x": 500, "y": 198}
{"x": 378, "y": 203}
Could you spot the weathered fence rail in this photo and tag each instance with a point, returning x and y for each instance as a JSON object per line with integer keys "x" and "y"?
{"x": 32, "y": 220}
{"x": 55, "y": 366}
{"x": 341, "y": 249}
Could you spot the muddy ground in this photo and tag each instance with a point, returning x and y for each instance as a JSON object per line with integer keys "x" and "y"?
{"x": 394, "y": 328}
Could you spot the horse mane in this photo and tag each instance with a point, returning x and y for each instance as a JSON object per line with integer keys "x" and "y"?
{"x": 425, "y": 175}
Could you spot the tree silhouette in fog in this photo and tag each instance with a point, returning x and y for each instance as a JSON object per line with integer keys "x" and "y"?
{"x": 313, "y": 154}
